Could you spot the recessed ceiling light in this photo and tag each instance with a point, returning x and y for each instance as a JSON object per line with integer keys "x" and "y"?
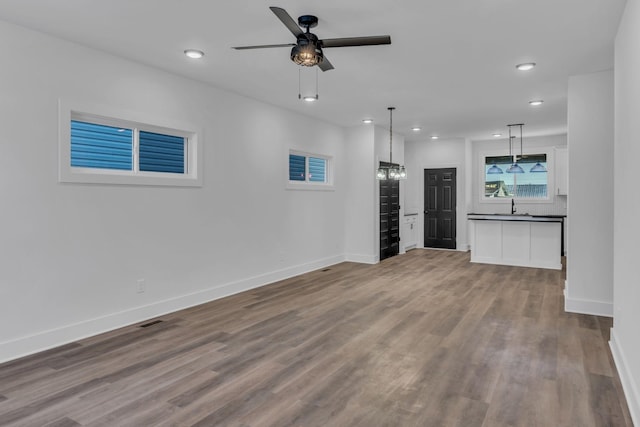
{"x": 526, "y": 66}
{"x": 536, "y": 102}
{"x": 367, "y": 121}
{"x": 416, "y": 128}
{"x": 434, "y": 137}
{"x": 194, "y": 53}
{"x": 497, "y": 135}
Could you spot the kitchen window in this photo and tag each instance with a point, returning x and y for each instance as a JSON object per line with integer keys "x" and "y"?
{"x": 532, "y": 183}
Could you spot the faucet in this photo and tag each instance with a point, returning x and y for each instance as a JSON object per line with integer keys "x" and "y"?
{"x": 513, "y": 206}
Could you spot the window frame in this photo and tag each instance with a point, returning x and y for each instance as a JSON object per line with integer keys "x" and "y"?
{"x": 548, "y": 151}
{"x": 110, "y": 116}
{"x": 327, "y": 185}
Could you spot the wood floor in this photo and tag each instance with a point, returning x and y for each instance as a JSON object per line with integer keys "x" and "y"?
{"x": 422, "y": 339}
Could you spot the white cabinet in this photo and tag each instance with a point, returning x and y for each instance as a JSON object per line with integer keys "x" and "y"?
{"x": 410, "y": 231}
{"x": 562, "y": 171}
{"x": 521, "y": 243}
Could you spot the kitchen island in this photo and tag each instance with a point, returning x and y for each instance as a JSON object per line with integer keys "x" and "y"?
{"x": 517, "y": 239}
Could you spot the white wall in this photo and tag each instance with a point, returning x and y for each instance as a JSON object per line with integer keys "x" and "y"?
{"x": 433, "y": 154}
{"x": 589, "y": 287}
{"x": 71, "y": 254}
{"x": 360, "y": 186}
{"x": 625, "y": 341}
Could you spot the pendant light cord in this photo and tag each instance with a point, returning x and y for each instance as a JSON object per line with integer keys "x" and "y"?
{"x": 391, "y": 135}
{"x": 510, "y": 154}
{"x": 521, "y": 153}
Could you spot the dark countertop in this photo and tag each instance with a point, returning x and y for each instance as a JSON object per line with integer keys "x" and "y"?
{"x": 516, "y": 217}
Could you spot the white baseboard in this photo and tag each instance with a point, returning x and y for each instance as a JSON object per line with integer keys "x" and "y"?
{"x": 462, "y": 248}
{"x": 45, "y": 340}
{"x": 631, "y": 389}
{"x": 516, "y": 262}
{"x": 582, "y": 306}
{"x": 363, "y": 259}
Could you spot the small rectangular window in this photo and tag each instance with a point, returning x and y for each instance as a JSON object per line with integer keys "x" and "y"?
{"x": 529, "y": 182}
{"x": 311, "y": 171}
{"x": 317, "y": 169}
{"x": 99, "y": 147}
{"x": 161, "y": 153}
{"x": 297, "y": 167}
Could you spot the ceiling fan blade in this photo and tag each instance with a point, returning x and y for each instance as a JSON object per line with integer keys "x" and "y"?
{"x": 325, "y": 65}
{"x": 287, "y": 20}
{"x": 356, "y": 41}
{"x": 263, "y": 46}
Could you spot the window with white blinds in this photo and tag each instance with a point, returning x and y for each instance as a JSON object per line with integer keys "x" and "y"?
{"x": 95, "y": 148}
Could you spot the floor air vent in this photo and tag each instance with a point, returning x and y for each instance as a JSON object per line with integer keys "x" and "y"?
{"x": 326, "y": 269}
{"x": 146, "y": 325}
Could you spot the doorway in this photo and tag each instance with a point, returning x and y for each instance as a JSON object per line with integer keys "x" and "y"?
{"x": 440, "y": 208}
{"x": 389, "y": 216}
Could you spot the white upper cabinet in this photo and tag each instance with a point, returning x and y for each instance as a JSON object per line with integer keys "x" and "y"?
{"x": 562, "y": 171}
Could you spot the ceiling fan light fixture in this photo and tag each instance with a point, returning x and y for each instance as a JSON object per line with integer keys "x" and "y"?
{"x": 307, "y": 54}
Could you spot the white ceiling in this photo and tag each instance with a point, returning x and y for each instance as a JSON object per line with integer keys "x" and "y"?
{"x": 450, "y": 68}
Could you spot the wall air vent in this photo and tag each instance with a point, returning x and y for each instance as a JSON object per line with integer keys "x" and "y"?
{"x": 146, "y": 325}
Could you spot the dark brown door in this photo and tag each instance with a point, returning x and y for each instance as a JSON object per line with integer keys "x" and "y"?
{"x": 440, "y": 208}
{"x": 389, "y": 217}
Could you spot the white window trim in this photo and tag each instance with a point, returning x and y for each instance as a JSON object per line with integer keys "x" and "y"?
{"x": 110, "y": 116}
{"x": 533, "y": 150}
{"x": 306, "y": 184}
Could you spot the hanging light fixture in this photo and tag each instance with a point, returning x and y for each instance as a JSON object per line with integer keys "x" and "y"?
{"x": 515, "y": 167}
{"x": 392, "y": 171}
{"x": 537, "y": 168}
{"x": 305, "y": 85}
{"x": 494, "y": 169}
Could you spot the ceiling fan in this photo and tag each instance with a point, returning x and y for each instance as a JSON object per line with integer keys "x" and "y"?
{"x": 307, "y": 50}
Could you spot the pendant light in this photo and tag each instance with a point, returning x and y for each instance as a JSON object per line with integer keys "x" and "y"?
{"x": 515, "y": 167}
{"x": 391, "y": 171}
{"x": 494, "y": 170}
{"x": 537, "y": 168}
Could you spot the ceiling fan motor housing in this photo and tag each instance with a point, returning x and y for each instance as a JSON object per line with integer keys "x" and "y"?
{"x": 307, "y": 21}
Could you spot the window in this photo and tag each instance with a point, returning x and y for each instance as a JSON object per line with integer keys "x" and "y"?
{"x": 532, "y": 183}
{"x": 99, "y": 147}
{"x": 309, "y": 170}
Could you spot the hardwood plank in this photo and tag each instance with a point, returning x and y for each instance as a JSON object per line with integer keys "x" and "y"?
{"x": 604, "y": 402}
{"x": 63, "y": 422}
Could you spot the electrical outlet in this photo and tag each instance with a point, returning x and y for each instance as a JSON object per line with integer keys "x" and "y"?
{"x": 141, "y": 286}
